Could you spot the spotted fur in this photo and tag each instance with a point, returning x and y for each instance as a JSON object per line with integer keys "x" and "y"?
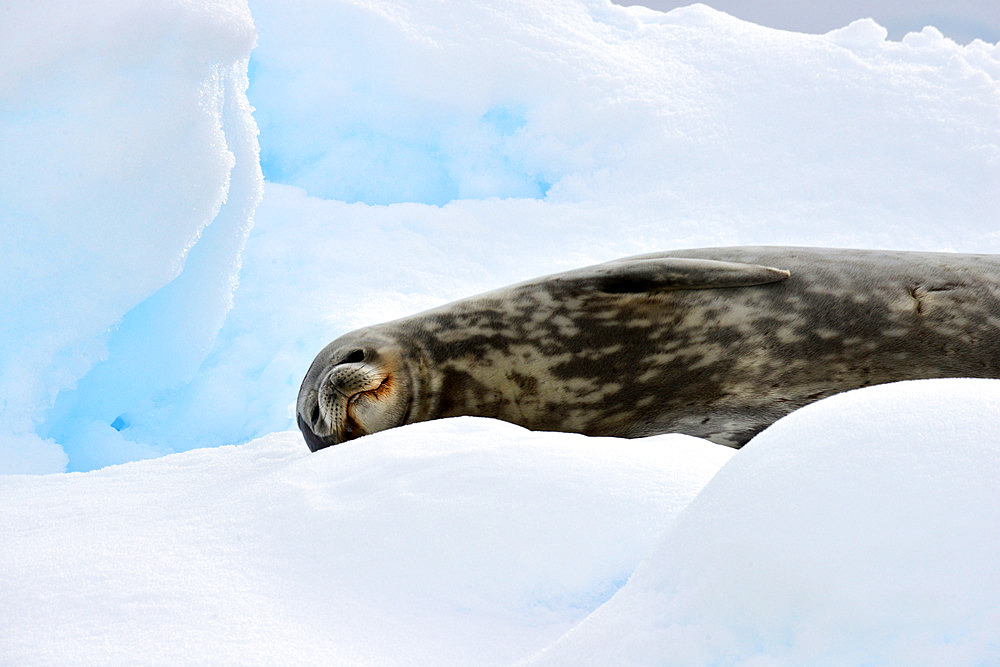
{"x": 709, "y": 342}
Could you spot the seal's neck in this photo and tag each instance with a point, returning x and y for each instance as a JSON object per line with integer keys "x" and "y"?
{"x": 451, "y": 380}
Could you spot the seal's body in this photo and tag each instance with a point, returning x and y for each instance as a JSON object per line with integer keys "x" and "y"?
{"x": 712, "y": 343}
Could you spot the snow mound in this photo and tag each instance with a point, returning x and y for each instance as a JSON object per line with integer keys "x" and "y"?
{"x": 463, "y": 541}
{"x": 858, "y": 530}
{"x": 579, "y": 100}
{"x": 128, "y": 177}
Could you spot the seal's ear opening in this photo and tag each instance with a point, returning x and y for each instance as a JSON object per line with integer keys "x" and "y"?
{"x": 639, "y": 276}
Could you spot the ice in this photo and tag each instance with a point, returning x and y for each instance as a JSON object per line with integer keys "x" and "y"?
{"x": 859, "y": 529}
{"x": 675, "y": 104}
{"x": 474, "y": 542}
{"x": 415, "y": 157}
{"x": 648, "y": 131}
{"x": 128, "y": 176}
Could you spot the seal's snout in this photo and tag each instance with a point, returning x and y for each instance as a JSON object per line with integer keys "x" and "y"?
{"x": 314, "y": 426}
{"x": 350, "y": 392}
{"x": 314, "y": 441}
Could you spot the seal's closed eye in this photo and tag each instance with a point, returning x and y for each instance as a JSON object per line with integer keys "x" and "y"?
{"x": 355, "y": 357}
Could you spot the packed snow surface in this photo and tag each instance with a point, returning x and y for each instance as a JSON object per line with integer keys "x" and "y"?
{"x": 151, "y": 302}
{"x": 862, "y": 529}
{"x": 129, "y": 173}
{"x": 474, "y": 542}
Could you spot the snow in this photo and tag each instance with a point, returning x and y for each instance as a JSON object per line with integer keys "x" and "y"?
{"x": 128, "y": 177}
{"x": 476, "y": 542}
{"x": 152, "y": 302}
{"x": 675, "y": 103}
{"x": 700, "y": 131}
{"x": 414, "y": 159}
{"x": 858, "y": 530}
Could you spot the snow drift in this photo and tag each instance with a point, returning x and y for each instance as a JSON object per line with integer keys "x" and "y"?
{"x": 476, "y": 541}
{"x": 128, "y": 177}
{"x": 861, "y": 529}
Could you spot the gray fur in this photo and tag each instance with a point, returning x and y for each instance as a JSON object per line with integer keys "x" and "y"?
{"x": 707, "y": 342}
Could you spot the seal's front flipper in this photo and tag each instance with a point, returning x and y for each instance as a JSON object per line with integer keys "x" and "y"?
{"x": 660, "y": 274}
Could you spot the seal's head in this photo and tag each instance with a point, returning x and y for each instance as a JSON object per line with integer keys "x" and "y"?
{"x": 355, "y": 386}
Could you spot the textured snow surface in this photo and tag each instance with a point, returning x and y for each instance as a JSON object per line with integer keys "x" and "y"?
{"x": 462, "y": 541}
{"x": 128, "y": 177}
{"x": 861, "y": 529}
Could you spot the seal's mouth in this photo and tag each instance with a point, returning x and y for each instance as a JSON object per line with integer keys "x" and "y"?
{"x": 361, "y": 405}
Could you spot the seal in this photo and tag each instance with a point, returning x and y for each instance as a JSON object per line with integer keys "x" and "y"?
{"x": 716, "y": 343}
